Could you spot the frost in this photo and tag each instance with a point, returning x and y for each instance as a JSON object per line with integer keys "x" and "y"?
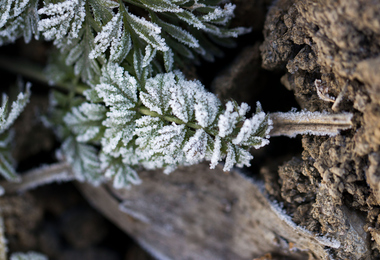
{"x": 206, "y": 108}
{"x": 219, "y": 15}
{"x": 160, "y": 6}
{"x": 243, "y": 157}
{"x": 191, "y": 19}
{"x": 147, "y": 31}
{"x": 195, "y": 148}
{"x": 324, "y": 240}
{"x": 84, "y": 160}
{"x": 119, "y": 130}
{"x": 28, "y": 256}
{"x": 158, "y": 93}
{"x": 65, "y": 21}
{"x": 8, "y": 117}
{"x": 7, "y": 169}
{"x": 328, "y": 124}
{"x": 150, "y": 53}
{"x": 168, "y": 60}
{"x": 227, "y": 120}
{"x": 230, "y": 159}
{"x": 216, "y": 155}
{"x": 110, "y": 35}
{"x": 178, "y": 33}
{"x": 86, "y": 121}
{"x": 182, "y": 99}
{"x": 118, "y": 90}
{"x": 249, "y": 129}
{"x": 18, "y": 18}
{"x": 123, "y": 175}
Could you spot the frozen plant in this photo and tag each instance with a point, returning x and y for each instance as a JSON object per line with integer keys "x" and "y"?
{"x": 28, "y": 256}
{"x": 8, "y": 114}
{"x": 127, "y": 105}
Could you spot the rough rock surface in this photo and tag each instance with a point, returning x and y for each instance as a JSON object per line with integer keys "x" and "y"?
{"x": 334, "y": 188}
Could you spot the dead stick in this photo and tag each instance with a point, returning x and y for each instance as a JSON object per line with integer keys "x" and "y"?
{"x": 59, "y": 172}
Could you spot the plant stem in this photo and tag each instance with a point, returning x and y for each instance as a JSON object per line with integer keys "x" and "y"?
{"x": 292, "y": 123}
{"x": 58, "y": 172}
{"x": 36, "y": 72}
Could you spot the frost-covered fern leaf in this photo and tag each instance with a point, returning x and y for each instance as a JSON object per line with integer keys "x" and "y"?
{"x": 122, "y": 174}
{"x": 113, "y": 36}
{"x": 158, "y": 93}
{"x": 7, "y": 117}
{"x": 171, "y": 25}
{"x": 64, "y": 22}
{"x": 18, "y": 18}
{"x": 86, "y": 121}
{"x": 6, "y": 161}
{"x": 200, "y": 129}
{"x": 28, "y": 256}
{"x": 72, "y": 25}
{"x": 83, "y": 159}
{"x": 118, "y": 90}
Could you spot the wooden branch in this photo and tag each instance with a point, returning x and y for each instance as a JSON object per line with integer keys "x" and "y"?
{"x": 58, "y": 172}
{"x": 198, "y": 213}
{"x": 292, "y": 123}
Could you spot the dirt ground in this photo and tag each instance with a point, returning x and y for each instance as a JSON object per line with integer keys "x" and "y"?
{"x": 333, "y": 188}
{"x": 330, "y": 185}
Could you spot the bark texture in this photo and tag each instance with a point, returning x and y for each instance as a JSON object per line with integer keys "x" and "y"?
{"x": 198, "y": 213}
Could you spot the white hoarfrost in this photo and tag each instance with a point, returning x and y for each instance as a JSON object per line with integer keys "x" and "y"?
{"x": 64, "y": 21}
{"x": 17, "y": 18}
{"x": 8, "y": 117}
{"x": 118, "y": 90}
{"x": 85, "y": 121}
{"x": 206, "y": 108}
{"x": 195, "y": 148}
{"x": 219, "y": 15}
{"x": 227, "y": 120}
{"x": 147, "y": 31}
{"x": 158, "y": 93}
{"x": 110, "y": 35}
{"x": 28, "y": 256}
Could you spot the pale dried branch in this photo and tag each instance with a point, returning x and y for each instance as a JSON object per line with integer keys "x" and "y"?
{"x": 59, "y": 172}
{"x": 315, "y": 123}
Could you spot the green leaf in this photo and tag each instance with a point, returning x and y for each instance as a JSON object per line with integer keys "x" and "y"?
{"x": 146, "y": 30}
{"x": 178, "y": 33}
{"x": 160, "y": 6}
{"x": 190, "y": 18}
{"x": 7, "y": 163}
{"x": 86, "y": 121}
{"x": 150, "y": 53}
{"x": 83, "y": 159}
{"x": 123, "y": 175}
{"x": 168, "y": 60}
{"x": 8, "y": 117}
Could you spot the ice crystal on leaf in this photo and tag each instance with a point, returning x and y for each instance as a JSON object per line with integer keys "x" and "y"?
{"x": 118, "y": 90}
{"x": 158, "y": 93}
{"x": 195, "y": 148}
{"x": 85, "y": 121}
{"x": 122, "y": 174}
{"x": 28, "y": 256}
{"x": 136, "y": 115}
{"x": 18, "y": 18}
{"x": 65, "y": 21}
{"x": 83, "y": 159}
{"x": 7, "y": 117}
